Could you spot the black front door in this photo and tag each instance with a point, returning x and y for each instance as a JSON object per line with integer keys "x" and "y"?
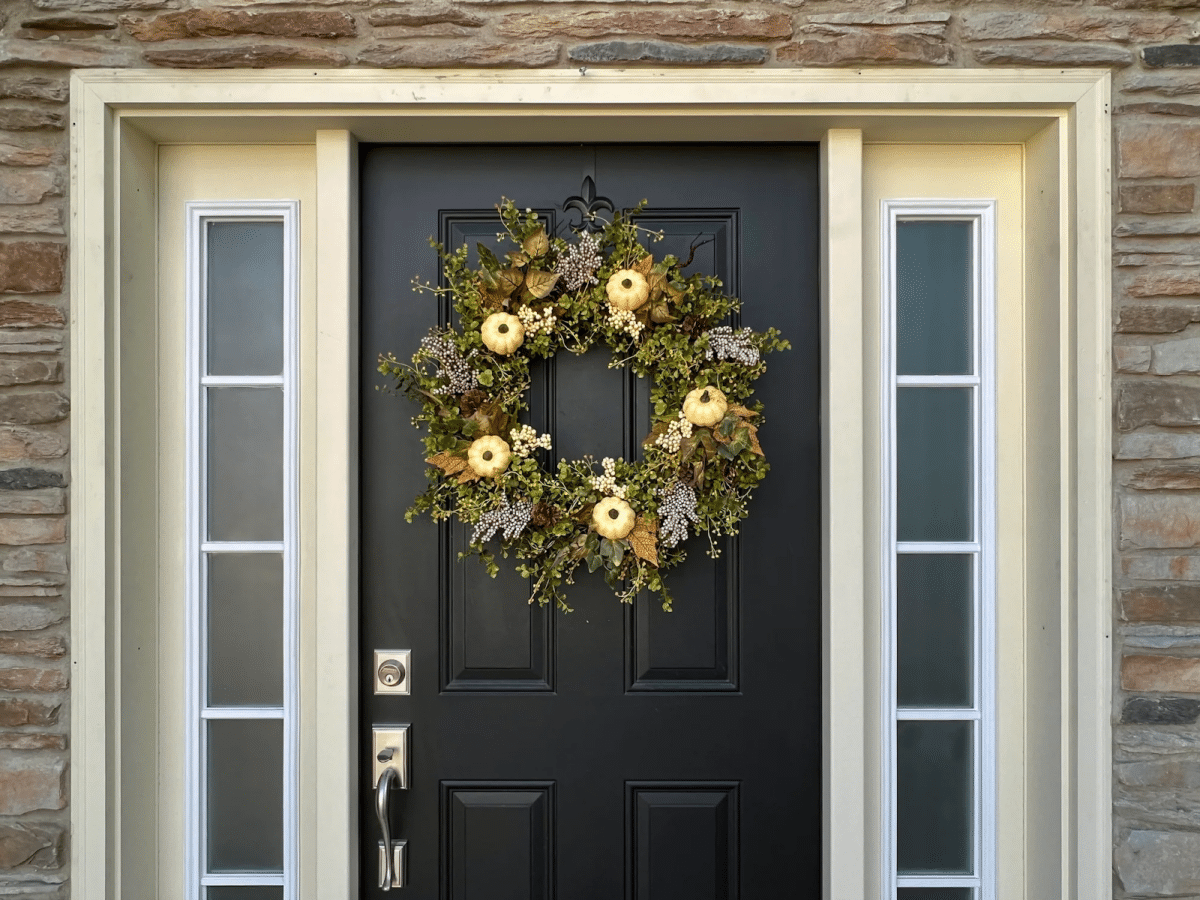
{"x": 616, "y": 751}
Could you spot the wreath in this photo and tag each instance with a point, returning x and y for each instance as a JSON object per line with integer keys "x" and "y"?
{"x": 700, "y": 462}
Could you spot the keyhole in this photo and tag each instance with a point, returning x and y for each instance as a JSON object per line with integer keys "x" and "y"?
{"x": 391, "y": 673}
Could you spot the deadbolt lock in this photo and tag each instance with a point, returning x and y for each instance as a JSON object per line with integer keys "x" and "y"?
{"x": 392, "y": 674}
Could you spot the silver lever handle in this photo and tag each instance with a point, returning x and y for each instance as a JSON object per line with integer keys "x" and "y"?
{"x": 386, "y": 873}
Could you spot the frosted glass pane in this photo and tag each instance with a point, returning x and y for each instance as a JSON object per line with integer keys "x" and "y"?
{"x": 934, "y": 470}
{"x": 245, "y": 464}
{"x": 933, "y": 298}
{"x": 244, "y": 277}
{"x": 245, "y": 795}
{"x": 934, "y": 622}
{"x": 245, "y": 629}
{"x": 925, "y": 893}
{"x": 934, "y": 797}
{"x": 245, "y": 892}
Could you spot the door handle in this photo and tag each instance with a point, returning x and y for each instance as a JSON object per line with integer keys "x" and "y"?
{"x": 390, "y": 768}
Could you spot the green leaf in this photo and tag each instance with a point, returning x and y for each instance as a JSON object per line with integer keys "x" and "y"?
{"x": 486, "y": 377}
{"x": 487, "y": 257}
{"x": 618, "y": 554}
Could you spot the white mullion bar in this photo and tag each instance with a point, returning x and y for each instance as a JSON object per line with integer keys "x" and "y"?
{"x": 225, "y": 713}
{"x": 243, "y": 879}
{"x": 241, "y": 380}
{"x": 921, "y": 714}
{"x": 888, "y": 774}
{"x": 937, "y": 881}
{"x": 938, "y": 546}
{"x": 243, "y": 546}
{"x": 937, "y": 380}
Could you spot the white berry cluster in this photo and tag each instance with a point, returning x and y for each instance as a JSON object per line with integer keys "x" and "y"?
{"x": 510, "y": 519}
{"x": 460, "y": 377}
{"x": 678, "y": 430}
{"x": 525, "y": 440}
{"x": 624, "y": 320}
{"x": 607, "y": 483}
{"x": 677, "y": 507}
{"x": 725, "y": 343}
{"x": 579, "y": 264}
{"x": 536, "y": 322}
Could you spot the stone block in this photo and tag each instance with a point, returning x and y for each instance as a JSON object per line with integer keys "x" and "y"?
{"x": 884, "y": 18}
{"x": 1156, "y": 228}
{"x": 33, "y": 87}
{"x": 1160, "y": 711}
{"x": 32, "y": 267}
{"x": 24, "y": 186}
{"x": 1163, "y": 568}
{"x": 26, "y": 844}
{"x": 868, "y": 47}
{"x": 48, "y": 646}
{"x": 1172, "y": 85}
{"x": 34, "y": 408}
{"x": 48, "y": 501}
{"x": 1157, "y": 108}
{"x": 1132, "y": 358}
{"x": 39, "y": 680}
{"x": 18, "y": 155}
{"x": 29, "y": 340}
{"x": 471, "y": 53}
{"x": 1157, "y": 521}
{"x": 1177, "y": 604}
{"x": 416, "y": 14}
{"x": 1072, "y": 26}
{"x": 1156, "y": 318}
{"x": 1047, "y": 53}
{"x": 1176, "y": 774}
{"x": 79, "y": 6}
{"x": 30, "y": 118}
{"x": 18, "y": 713}
{"x": 1169, "y": 283}
{"x": 17, "y": 531}
{"x": 1167, "y": 478}
{"x": 1157, "y": 403}
{"x": 17, "y": 740}
{"x": 1158, "y": 198}
{"x": 28, "y": 616}
{"x": 195, "y": 23}
{"x": 698, "y": 24}
{"x": 20, "y": 444}
{"x": 30, "y": 371}
{"x": 65, "y": 54}
{"x": 1150, "y": 149}
{"x": 1171, "y": 55}
{"x": 245, "y": 56}
{"x": 1159, "y": 863}
{"x": 31, "y": 784}
{"x": 24, "y": 313}
{"x": 27, "y": 478}
{"x": 41, "y": 219}
{"x": 1161, "y": 674}
{"x": 29, "y": 560}
{"x": 664, "y": 52}
{"x": 1176, "y": 357}
{"x": 78, "y": 24}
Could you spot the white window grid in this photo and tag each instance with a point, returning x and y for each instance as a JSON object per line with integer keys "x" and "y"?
{"x": 199, "y": 214}
{"x": 981, "y": 214}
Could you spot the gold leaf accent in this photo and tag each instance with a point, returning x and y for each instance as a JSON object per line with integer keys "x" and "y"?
{"x": 644, "y": 540}
{"x": 509, "y": 280}
{"x": 538, "y": 283}
{"x": 644, "y": 265}
{"x": 741, "y": 412}
{"x": 537, "y": 244}
{"x": 754, "y": 444}
{"x": 448, "y": 463}
{"x": 468, "y": 474}
{"x": 658, "y": 284}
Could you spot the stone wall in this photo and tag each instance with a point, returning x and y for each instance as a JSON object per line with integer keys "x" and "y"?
{"x": 1153, "y": 52}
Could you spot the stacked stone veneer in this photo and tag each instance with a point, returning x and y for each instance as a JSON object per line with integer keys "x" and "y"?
{"x": 1154, "y": 53}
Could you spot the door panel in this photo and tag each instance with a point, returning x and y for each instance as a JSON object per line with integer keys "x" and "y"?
{"x": 616, "y": 751}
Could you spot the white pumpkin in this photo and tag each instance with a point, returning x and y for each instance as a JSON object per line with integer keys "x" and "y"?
{"x": 627, "y": 289}
{"x": 502, "y": 333}
{"x": 705, "y": 406}
{"x": 488, "y": 456}
{"x": 613, "y": 518}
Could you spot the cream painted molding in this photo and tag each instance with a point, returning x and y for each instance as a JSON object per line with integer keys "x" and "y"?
{"x": 119, "y": 116}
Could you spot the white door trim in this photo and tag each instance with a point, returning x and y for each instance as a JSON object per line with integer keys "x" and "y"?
{"x": 119, "y": 118}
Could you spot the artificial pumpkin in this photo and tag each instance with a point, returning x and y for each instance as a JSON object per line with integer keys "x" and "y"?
{"x": 613, "y": 518}
{"x": 488, "y": 456}
{"x": 705, "y": 406}
{"x": 627, "y": 289}
{"x": 502, "y": 333}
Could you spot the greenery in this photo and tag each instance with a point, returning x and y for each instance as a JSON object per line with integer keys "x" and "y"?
{"x": 467, "y": 391}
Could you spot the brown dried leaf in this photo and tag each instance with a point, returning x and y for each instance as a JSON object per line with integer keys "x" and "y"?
{"x": 448, "y": 463}
{"x": 509, "y": 280}
{"x": 741, "y": 411}
{"x": 644, "y": 540}
{"x": 467, "y": 475}
{"x": 644, "y": 265}
{"x": 539, "y": 284}
{"x": 754, "y": 444}
{"x": 537, "y": 244}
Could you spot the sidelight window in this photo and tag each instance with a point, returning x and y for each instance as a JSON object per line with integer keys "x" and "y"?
{"x": 938, "y": 554}
{"x": 241, "y": 550}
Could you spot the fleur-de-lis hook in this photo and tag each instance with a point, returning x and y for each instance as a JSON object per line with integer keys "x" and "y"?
{"x": 587, "y": 204}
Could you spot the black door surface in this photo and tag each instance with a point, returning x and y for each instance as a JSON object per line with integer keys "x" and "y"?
{"x": 616, "y": 751}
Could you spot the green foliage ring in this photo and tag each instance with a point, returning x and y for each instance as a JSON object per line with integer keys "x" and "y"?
{"x": 691, "y": 477}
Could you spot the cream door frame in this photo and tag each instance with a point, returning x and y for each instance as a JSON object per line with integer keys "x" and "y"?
{"x": 119, "y": 118}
